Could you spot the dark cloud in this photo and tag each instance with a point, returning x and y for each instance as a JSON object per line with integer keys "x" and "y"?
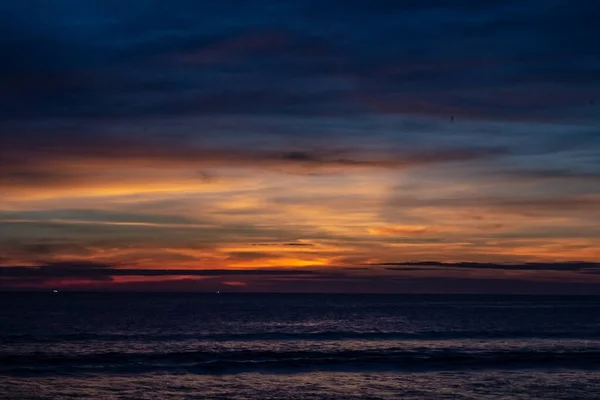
{"x": 250, "y": 255}
{"x": 38, "y": 276}
{"x": 411, "y": 284}
{"x": 92, "y": 215}
{"x": 300, "y": 156}
{"x": 185, "y": 57}
{"x": 43, "y": 249}
{"x": 67, "y": 161}
{"x": 578, "y": 266}
{"x": 551, "y": 174}
{"x": 527, "y": 206}
{"x": 73, "y": 266}
{"x": 14, "y": 234}
{"x": 84, "y": 269}
{"x": 362, "y": 285}
{"x": 92, "y": 276}
{"x": 406, "y": 269}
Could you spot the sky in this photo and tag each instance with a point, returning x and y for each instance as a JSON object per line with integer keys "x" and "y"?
{"x": 392, "y": 146}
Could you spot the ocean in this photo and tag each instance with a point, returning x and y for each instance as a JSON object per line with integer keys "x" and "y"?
{"x": 298, "y": 346}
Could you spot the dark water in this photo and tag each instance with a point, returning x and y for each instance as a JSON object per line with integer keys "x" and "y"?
{"x": 180, "y": 346}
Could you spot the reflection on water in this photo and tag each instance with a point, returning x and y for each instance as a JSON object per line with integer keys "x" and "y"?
{"x": 474, "y": 385}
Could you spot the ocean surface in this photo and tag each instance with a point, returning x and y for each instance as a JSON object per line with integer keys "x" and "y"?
{"x": 281, "y": 346}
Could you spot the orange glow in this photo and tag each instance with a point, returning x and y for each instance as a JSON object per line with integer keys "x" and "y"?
{"x": 406, "y": 230}
{"x": 129, "y": 214}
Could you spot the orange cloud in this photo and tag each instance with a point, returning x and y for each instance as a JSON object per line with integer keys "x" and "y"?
{"x": 405, "y": 230}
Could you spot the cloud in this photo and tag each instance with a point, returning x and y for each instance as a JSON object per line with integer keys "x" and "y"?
{"x": 250, "y": 255}
{"x": 86, "y": 269}
{"x": 577, "y": 266}
{"x": 236, "y": 59}
{"x": 74, "y": 266}
{"x": 299, "y": 244}
{"x": 551, "y": 174}
{"x": 235, "y": 48}
{"x": 71, "y": 162}
{"x": 520, "y": 206}
{"x": 100, "y": 276}
{"x": 93, "y": 151}
{"x": 101, "y": 216}
{"x": 401, "y": 230}
{"x": 90, "y": 274}
{"x": 235, "y": 283}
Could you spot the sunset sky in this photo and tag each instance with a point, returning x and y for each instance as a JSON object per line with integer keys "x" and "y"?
{"x": 304, "y": 146}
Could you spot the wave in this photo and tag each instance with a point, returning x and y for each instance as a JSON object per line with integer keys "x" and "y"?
{"x": 282, "y": 361}
{"x": 308, "y": 336}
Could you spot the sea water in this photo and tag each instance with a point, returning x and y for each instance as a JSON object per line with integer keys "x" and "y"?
{"x": 298, "y": 346}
